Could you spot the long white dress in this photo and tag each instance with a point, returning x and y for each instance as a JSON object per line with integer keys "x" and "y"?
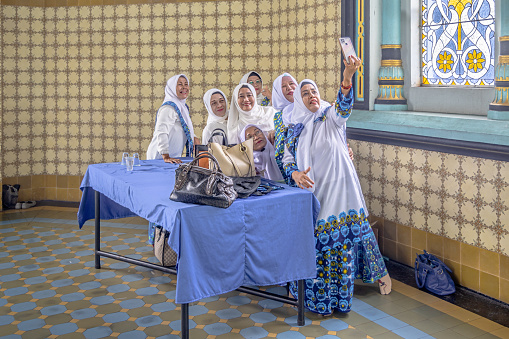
{"x": 346, "y": 248}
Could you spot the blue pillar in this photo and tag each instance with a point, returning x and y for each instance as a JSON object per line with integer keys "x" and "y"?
{"x": 499, "y": 108}
{"x": 390, "y": 76}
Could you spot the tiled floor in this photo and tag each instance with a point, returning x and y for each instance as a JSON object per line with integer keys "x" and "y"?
{"x": 50, "y": 288}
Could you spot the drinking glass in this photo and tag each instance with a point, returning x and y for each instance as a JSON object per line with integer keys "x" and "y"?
{"x": 129, "y": 162}
{"x": 136, "y": 158}
{"x": 124, "y": 156}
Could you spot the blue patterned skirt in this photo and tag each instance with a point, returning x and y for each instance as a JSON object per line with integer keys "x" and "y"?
{"x": 346, "y": 249}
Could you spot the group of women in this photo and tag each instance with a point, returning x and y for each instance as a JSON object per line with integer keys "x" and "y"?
{"x": 299, "y": 138}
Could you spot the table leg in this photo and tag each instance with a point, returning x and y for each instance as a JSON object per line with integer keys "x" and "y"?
{"x": 184, "y": 320}
{"x": 300, "y": 307}
{"x": 97, "y": 229}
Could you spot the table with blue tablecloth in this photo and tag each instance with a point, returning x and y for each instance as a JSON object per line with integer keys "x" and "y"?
{"x": 261, "y": 240}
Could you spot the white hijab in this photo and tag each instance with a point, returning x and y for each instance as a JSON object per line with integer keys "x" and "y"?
{"x": 238, "y": 118}
{"x": 206, "y": 100}
{"x": 264, "y": 160}
{"x": 301, "y": 114}
{"x": 170, "y": 94}
{"x": 279, "y": 101}
{"x": 259, "y": 97}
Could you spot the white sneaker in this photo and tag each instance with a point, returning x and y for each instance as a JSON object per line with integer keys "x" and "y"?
{"x": 27, "y": 204}
{"x": 18, "y": 206}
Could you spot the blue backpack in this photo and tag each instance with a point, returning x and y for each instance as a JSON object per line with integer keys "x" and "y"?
{"x": 431, "y": 273}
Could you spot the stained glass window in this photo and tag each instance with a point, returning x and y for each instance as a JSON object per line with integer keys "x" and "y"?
{"x": 458, "y": 42}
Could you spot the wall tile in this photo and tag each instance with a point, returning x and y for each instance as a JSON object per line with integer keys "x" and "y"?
{"x": 51, "y": 181}
{"x": 489, "y": 262}
{"x": 390, "y": 249}
{"x": 469, "y": 277}
{"x": 51, "y": 193}
{"x": 456, "y": 270}
{"x": 38, "y": 181}
{"x": 390, "y": 230}
{"x": 489, "y": 285}
{"x": 405, "y": 254}
{"x": 61, "y": 194}
{"x": 470, "y": 255}
{"x": 435, "y": 244}
{"x": 504, "y": 266}
{"x": 452, "y": 250}
{"x": 404, "y": 235}
{"x": 504, "y": 290}
{"x": 419, "y": 239}
{"x": 61, "y": 181}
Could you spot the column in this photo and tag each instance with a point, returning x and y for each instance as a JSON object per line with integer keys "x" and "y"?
{"x": 390, "y": 76}
{"x": 499, "y": 108}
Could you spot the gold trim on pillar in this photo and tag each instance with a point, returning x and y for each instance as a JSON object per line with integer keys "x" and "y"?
{"x": 391, "y": 46}
{"x": 503, "y": 59}
{"x": 504, "y": 38}
{"x": 392, "y": 63}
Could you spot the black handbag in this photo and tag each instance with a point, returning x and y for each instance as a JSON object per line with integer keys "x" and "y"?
{"x": 198, "y": 185}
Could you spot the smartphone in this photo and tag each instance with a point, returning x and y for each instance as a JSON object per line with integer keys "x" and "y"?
{"x": 347, "y": 48}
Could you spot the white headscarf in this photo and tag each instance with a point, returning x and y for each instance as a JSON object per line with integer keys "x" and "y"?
{"x": 301, "y": 114}
{"x": 265, "y": 160}
{"x": 279, "y": 101}
{"x": 170, "y": 94}
{"x": 206, "y": 100}
{"x": 259, "y": 97}
{"x": 238, "y": 118}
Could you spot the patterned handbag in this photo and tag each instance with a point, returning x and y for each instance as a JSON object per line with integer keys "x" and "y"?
{"x": 162, "y": 251}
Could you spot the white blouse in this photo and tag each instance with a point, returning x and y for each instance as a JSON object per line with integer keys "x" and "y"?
{"x": 169, "y": 136}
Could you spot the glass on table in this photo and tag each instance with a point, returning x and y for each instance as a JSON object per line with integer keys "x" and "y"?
{"x": 124, "y": 156}
{"x": 129, "y": 162}
{"x": 136, "y": 158}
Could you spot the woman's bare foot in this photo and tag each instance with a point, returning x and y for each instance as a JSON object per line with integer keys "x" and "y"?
{"x": 385, "y": 284}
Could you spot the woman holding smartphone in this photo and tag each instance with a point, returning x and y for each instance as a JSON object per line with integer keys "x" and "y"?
{"x": 316, "y": 158}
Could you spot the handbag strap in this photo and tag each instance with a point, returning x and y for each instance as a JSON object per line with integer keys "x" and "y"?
{"x": 417, "y": 276}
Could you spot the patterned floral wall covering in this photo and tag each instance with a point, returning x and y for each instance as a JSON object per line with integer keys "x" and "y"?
{"x": 458, "y": 197}
{"x": 82, "y": 84}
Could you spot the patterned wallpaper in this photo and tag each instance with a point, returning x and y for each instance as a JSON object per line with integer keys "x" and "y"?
{"x": 82, "y": 84}
{"x": 459, "y": 197}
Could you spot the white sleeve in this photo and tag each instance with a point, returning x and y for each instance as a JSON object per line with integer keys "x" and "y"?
{"x": 166, "y": 119}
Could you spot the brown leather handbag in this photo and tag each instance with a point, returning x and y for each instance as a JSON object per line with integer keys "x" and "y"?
{"x": 236, "y": 160}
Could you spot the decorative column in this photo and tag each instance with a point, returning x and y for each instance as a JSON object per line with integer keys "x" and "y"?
{"x": 499, "y": 108}
{"x": 390, "y": 76}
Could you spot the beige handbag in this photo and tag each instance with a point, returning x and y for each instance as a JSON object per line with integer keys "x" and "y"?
{"x": 235, "y": 161}
{"x": 162, "y": 251}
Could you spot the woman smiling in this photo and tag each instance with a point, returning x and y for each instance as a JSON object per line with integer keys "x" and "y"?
{"x": 217, "y": 108}
{"x": 245, "y": 110}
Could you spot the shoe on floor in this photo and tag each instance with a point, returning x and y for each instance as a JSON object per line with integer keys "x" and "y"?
{"x": 385, "y": 284}
{"x": 18, "y": 206}
{"x": 27, "y": 204}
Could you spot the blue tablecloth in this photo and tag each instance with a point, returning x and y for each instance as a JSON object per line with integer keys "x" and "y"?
{"x": 256, "y": 241}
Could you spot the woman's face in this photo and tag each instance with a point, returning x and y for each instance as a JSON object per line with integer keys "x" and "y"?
{"x": 310, "y": 97}
{"x": 256, "y": 82}
{"x": 246, "y": 99}
{"x": 182, "y": 88}
{"x": 218, "y": 104}
{"x": 288, "y": 87}
{"x": 259, "y": 139}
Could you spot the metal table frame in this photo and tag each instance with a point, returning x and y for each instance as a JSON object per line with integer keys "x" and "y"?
{"x": 299, "y": 303}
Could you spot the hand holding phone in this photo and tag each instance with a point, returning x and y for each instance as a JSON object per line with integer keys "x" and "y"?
{"x": 347, "y": 48}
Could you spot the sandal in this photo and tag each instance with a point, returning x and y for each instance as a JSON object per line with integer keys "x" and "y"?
{"x": 385, "y": 284}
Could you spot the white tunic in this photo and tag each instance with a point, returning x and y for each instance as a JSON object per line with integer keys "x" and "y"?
{"x": 169, "y": 136}
{"x": 207, "y": 132}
